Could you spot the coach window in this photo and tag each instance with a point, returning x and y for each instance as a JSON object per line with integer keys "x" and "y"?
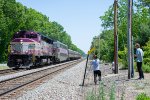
{"x": 55, "y": 45}
{"x": 58, "y": 45}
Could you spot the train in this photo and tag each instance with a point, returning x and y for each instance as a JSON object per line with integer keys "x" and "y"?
{"x": 30, "y": 48}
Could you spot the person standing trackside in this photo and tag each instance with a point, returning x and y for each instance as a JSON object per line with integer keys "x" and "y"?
{"x": 139, "y": 58}
{"x": 96, "y": 69}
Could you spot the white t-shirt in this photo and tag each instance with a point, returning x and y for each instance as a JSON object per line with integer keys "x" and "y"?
{"x": 95, "y": 64}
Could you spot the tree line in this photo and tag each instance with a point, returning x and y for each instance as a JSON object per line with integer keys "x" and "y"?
{"x": 140, "y": 31}
{"x": 14, "y": 17}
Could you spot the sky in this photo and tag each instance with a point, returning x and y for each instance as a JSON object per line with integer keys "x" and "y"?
{"x": 80, "y": 18}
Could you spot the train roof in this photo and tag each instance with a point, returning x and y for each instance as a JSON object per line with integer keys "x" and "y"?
{"x": 56, "y": 41}
{"x": 46, "y": 38}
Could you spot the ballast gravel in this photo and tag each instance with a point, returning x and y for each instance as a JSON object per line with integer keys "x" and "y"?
{"x": 65, "y": 86}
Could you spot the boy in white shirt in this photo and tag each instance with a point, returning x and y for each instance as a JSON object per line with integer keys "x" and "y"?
{"x": 96, "y": 69}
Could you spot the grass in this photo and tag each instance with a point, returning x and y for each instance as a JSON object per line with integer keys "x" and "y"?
{"x": 101, "y": 91}
{"x": 102, "y": 95}
{"x": 91, "y": 96}
{"x": 3, "y": 67}
{"x": 142, "y": 96}
{"x": 112, "y": 92}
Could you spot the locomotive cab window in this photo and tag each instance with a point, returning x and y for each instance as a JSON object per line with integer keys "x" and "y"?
{"x": 31, "y": 35}
{"x": 19, "y": 36}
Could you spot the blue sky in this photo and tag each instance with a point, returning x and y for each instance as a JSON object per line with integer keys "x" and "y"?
{"x": 80, "y": 18}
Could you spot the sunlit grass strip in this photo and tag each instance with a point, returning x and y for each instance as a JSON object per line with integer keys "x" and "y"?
{"x": 3, "y": 67}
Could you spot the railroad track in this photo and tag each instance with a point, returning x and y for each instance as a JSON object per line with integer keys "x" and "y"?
{"x": 11, "y": 84}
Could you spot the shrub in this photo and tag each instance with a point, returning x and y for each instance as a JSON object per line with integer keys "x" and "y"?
{"x": 146, "y": 68}
{"x": 122, "y": 58}
{"x": 146, "y": 61}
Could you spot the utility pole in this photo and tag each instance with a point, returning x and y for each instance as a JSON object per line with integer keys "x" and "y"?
{"x": 129, "y": 35}
{"x": 132, "y": 71}
{"x": 115, "y": 36}
{"x": 99, "y": 47}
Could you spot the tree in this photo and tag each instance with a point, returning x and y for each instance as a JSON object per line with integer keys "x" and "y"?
{"x": 140, "y": 28}
{"x": 14, "y": 17}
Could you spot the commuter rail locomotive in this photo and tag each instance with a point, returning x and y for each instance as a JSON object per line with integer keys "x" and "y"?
{"x": 29, "y": 48}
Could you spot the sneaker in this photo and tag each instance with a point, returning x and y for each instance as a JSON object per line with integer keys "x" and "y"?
{"x": 140, "y": 78}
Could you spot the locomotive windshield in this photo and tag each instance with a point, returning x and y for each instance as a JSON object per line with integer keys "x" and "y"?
{"x": 24, "y": 34}
{"x": 20, "y": 34}
{"x": 31, "y": 35}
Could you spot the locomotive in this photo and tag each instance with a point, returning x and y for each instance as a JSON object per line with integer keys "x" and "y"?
{"x": 29, "y": 48}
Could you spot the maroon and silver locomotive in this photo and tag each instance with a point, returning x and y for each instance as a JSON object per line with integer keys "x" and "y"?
{"x": 29, "y": 48}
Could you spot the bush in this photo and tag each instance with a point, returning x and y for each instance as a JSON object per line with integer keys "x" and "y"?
{"x": 142, "y": 96}
{"x": 122, "y": 58}
{"x": 146, "y": 68}
{"x": 146, "y": 61}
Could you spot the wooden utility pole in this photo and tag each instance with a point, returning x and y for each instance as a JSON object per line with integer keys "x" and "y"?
{"x": 115, "y": 36}
{"x": 132, "y": 71}
{"x": 99, "y": 47}
{"x": 129, "y": 35}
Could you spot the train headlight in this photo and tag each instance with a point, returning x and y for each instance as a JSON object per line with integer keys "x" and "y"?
{"x": 26, "y": 52}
